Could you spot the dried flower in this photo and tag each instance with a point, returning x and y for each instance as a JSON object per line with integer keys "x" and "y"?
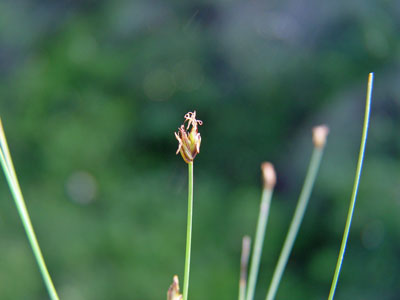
{"x": 189, "y": 142}
{"x": 319, "y": 135}
{"x": 173, "y": 291}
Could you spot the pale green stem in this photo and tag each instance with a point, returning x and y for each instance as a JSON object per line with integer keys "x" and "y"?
{"x": 189, "y": 233}
{"x": 259, "y": 241}
{"x": 243, "y": 267}
{"x": 9, "y": 171}
{"x": 355, "y": 187}
{"x": 296, "y": 221}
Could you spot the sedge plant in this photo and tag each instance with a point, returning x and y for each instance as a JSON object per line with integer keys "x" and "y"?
{"x": 12, "y": 180}
{"x": 189, "y": 147}
{"x": 355, "y": 187}
{"x": 269, "y": 178}
{"x": 319, "y": 139}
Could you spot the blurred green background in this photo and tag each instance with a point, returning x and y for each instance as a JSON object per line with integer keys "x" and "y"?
{"x": 91, "y": 93}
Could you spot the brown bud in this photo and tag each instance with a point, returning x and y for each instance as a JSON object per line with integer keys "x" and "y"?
{"x": 189, "y": 142}
{"x": 319, "y": 135}
{"x": 173, "y": 291}
{"x": 269, "y": 175}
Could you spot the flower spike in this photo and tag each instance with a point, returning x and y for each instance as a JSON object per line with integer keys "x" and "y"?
{"x": 190, "y": 117}
{"x": 189, "y": 141}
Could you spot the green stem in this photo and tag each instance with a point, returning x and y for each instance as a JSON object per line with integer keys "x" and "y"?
{"x": 296, "y": 221}
{"x": 243, "y": 267}
{"x": 189, "y": 233}
{"x": 355, "y": 187}
{"x": 9, "y": 171}
{"x": 259, "y": 241}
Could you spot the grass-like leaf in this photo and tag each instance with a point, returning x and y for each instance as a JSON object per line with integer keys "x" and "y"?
{"x": 355, "y": 187}
{"x": 9, "y": 172}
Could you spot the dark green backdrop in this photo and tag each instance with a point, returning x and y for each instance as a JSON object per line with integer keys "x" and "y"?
{"x": 91, "y": 93}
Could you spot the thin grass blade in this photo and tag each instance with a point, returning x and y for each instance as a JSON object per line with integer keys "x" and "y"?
{"x": 9, "y": 172}
{"x": 355, "y": 187}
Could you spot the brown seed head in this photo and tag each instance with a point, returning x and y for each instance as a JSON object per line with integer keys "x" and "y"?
{"x": 173, "y": 291}
{"x": 269, "y": 175}
{"x": 319, "y": 135}
{"x": 189, "y": 141}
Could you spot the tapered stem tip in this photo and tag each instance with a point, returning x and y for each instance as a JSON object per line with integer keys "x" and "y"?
{"x": 269, "y": 175}
{"x": 319, "y": 135}
{"x": 246, "y": 242}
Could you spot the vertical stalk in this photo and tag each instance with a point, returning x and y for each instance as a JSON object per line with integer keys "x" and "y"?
{"x": 296, "y": 221}
{"x": 355, "y": 186}
{"x": 9, "y": 171}
{"x": 244, "y": 260}
{"x": 259, "y": 241}
{"x": 189, "y": 232}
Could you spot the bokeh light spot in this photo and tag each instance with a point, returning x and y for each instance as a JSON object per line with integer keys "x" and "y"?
{"x": 372, "y": 235}
{"x": 81, "y": 187}
{"x": 159, "y": 85}
{"x": 188, "y": 75}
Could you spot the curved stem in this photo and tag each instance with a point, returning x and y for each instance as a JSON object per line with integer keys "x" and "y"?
{"x": 189, "y": 232}
{"x": 355, "y": 187}
{"x": 259, "y": 241}
{"x": 296, "y": 221}
{"x": 9, "y": 171}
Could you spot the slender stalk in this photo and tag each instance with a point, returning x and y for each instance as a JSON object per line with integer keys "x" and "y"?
{"x": 259, "y": 241}
{"x": 9, "y": 171}
{"x": 244, "y": 260}
{"x": 296, "y": 221}
{"x": 189, "y": 232}
{"x": 7, "y": 156}
{"x": 355, "y": 187}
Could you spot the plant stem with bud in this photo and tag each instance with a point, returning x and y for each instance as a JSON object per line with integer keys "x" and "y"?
{"x": 269, "y": 183}
{"x": 189, "y": 147}
{"x": 319, "y": 138}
